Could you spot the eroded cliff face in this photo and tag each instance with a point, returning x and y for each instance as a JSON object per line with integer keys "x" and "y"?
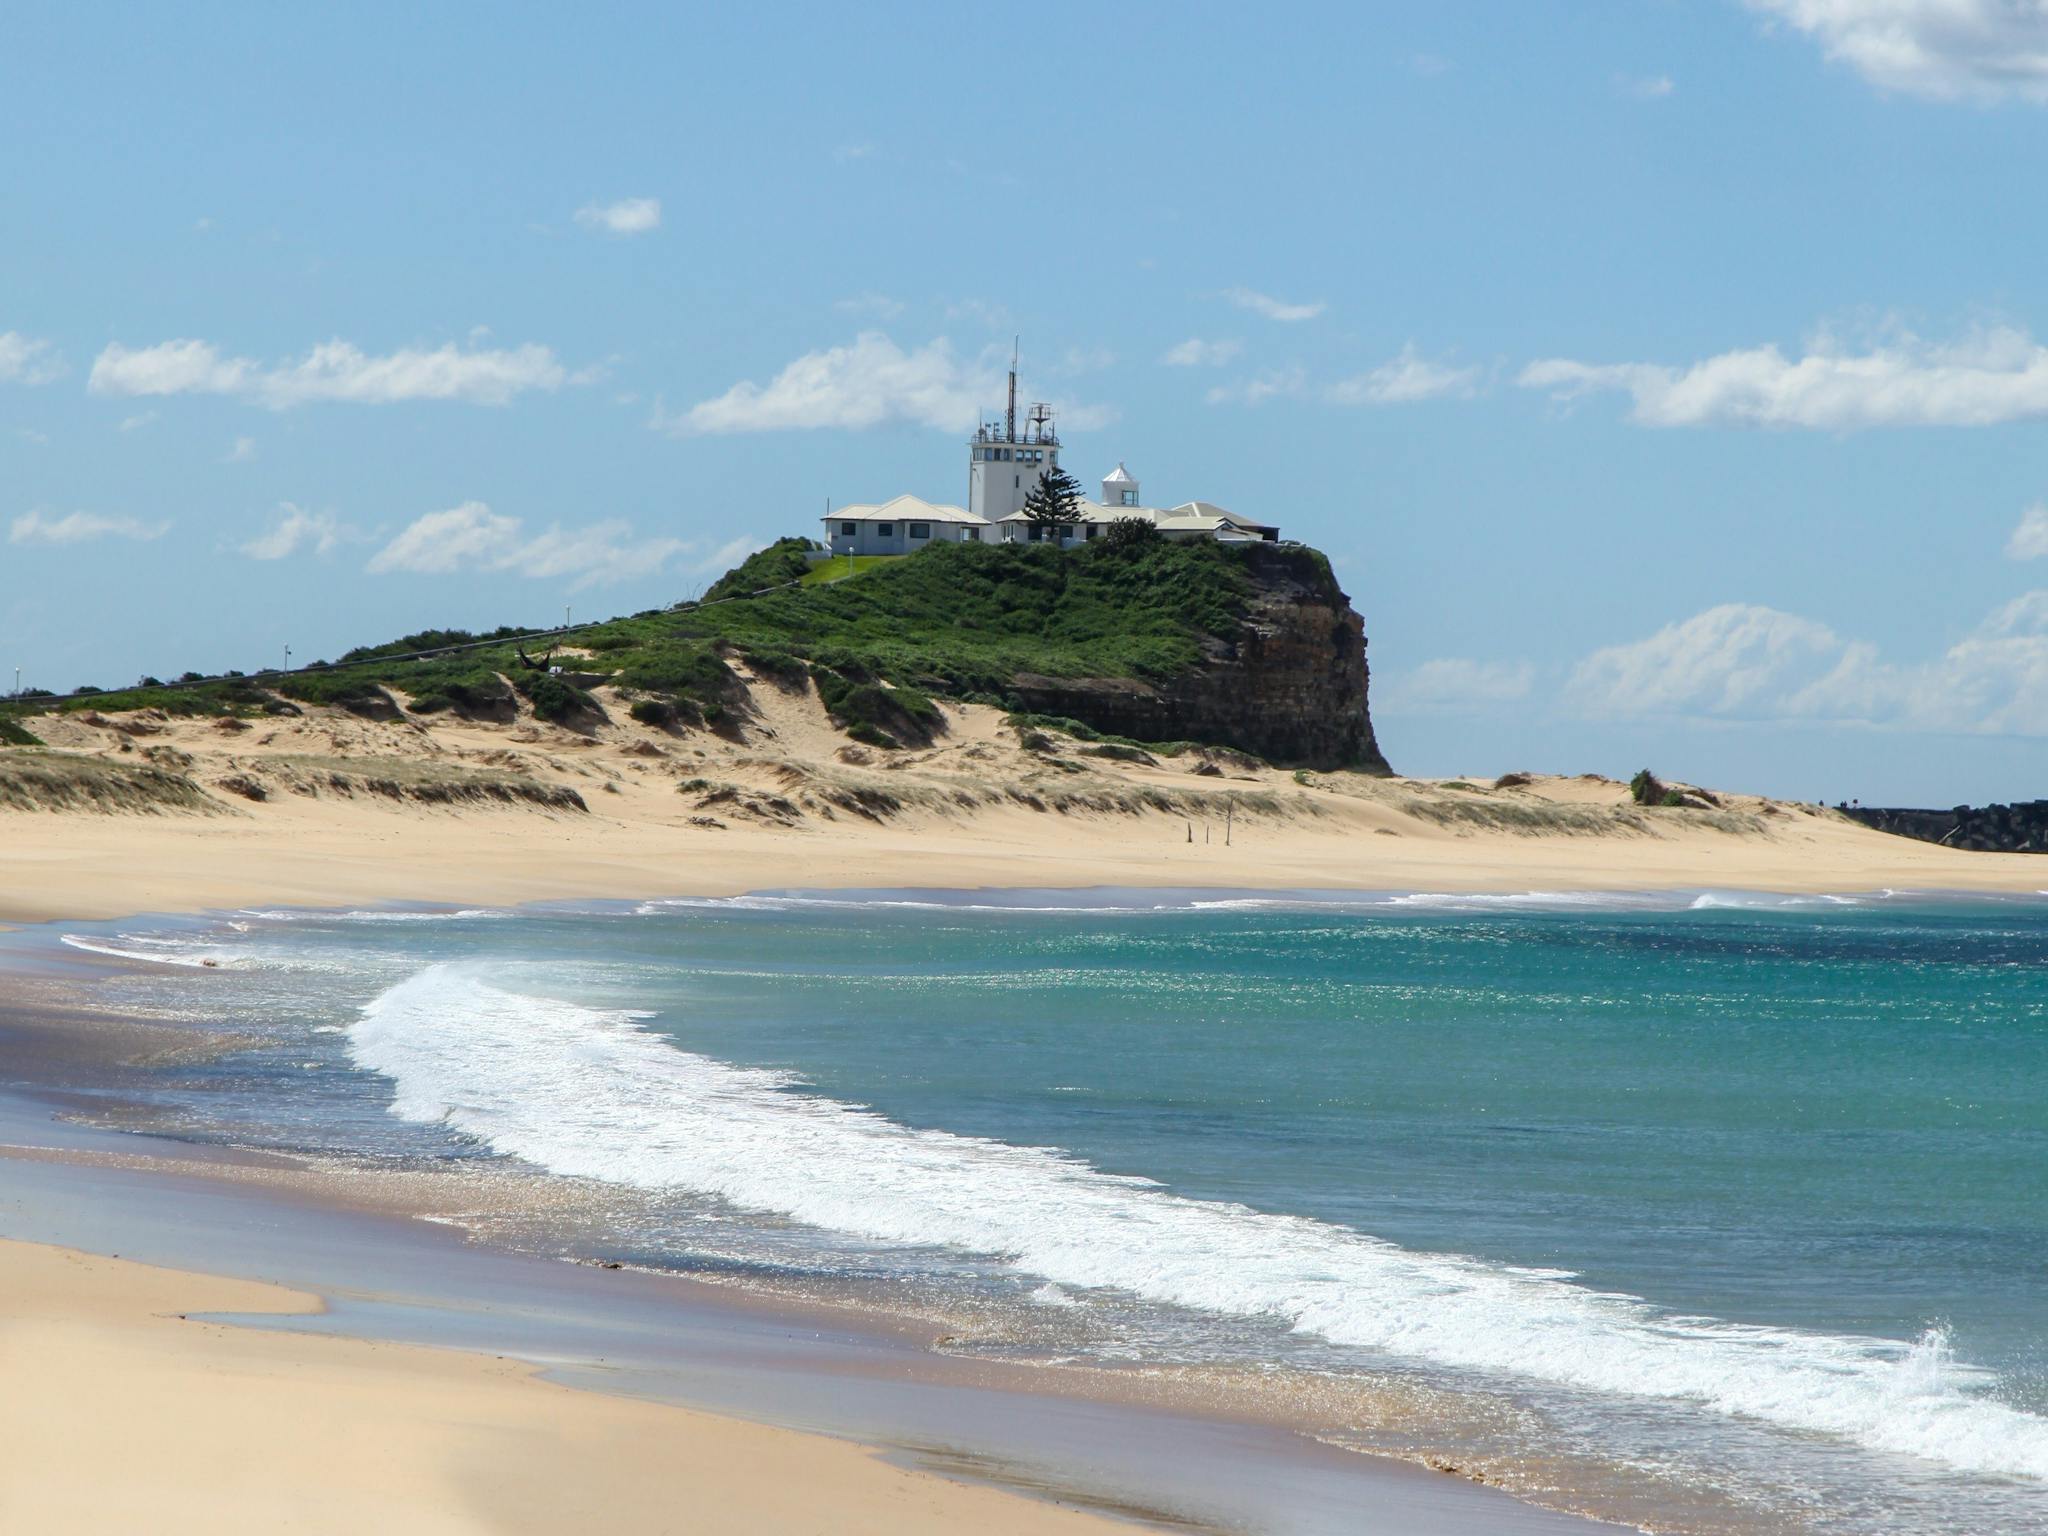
{"x": 1289, "y": 686}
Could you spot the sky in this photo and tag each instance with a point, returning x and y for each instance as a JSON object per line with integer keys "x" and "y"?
{"x": 1666, "y": 379}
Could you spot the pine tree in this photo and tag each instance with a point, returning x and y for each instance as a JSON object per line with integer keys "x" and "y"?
{"x": 1054, "y": 500}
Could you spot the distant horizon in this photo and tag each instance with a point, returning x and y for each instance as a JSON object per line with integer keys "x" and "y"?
{"x": 1666, "y": 384}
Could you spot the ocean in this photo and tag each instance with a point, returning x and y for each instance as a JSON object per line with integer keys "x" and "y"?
{"x": 1707, "y": 1212}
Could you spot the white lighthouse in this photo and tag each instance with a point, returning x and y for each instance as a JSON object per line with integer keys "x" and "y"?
{"x": 1120, "y": 488}
{"x": 1003, "y": 464}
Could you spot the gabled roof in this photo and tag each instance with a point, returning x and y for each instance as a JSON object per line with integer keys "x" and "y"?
{"x": 904, "y": 509}
{"x": 1188, "y": 517}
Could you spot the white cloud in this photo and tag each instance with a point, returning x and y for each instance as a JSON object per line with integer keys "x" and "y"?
{"x": 871, "y": 383}
{"x": 296, "y": 529}
{"x": 1716, "y": 662}
{"x": 1407, "y": 378}
{"x": 242, "y": 452}
{"x": 845, "y": 152}
{"x": 1991, "y": 376}
{"x": 472, "y": 538}
{"x": 1743, "y": 661}
{"x": 1270, "y": 307}
{"x": 1941, "y": 49}
{"x": 628, "y": 216}
{"x": 1265, "y": 385}
{"x": 1646, "y": 87}
{"x": 25, "y": 360}
{"x": 138, "y": 421}
{"x": 1455, "y": 682}
{"x": 1197, "y": 353}
{"x": 43, "y": 527}
{"x": 334, "y": 370}
{"x": 2029, "y": 540}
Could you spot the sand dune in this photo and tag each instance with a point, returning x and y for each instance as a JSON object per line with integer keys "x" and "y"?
{"x": 327, "y": 808}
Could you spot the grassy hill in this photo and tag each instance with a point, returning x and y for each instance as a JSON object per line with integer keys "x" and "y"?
{"x": 963, "y": 620}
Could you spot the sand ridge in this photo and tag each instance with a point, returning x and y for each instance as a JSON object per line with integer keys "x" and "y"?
{"x": 355, "y": 811}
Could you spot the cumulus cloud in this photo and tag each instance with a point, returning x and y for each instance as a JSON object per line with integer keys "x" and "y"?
{"x": 1991, "y": 376}
{"x": 1744, "y": 661}
{"x": 871, "y": 383}
{"x": 1944, "y": 50}
{"x": 1646, "y": 87}
{"x": 334, "y": 370}
{"x": 472, "y": 538}
{"x": 1197, "y": 353}
{"x": 1715, "y": 662}
{"x": 44, "y": 527}
{"x": 240, "y": 452}
{"x": 1270, "y": 307}
{"x": 2029, "y": 540}
{"x": 1455, "y": 683}
{"x": 628, "y": 216}
{"x": 1408, "y": 377}
{"x": 296, "y": 529}
{"x": 25, "y": 360}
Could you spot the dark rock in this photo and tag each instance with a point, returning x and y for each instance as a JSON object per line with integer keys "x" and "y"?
{"x": 2018, "y": 828}
{"x": 1290, "y": 685}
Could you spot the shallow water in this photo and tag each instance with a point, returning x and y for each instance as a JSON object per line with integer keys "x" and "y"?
{"x": 1715, "y": 1212}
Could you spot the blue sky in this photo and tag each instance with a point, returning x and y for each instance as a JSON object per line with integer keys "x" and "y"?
{"x": 1667, "y": 378}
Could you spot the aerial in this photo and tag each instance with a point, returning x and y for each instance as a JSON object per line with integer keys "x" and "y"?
{"x": 1037, "y": 771}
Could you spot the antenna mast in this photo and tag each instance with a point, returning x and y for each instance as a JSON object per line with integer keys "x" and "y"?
{"x": 1010, "y": 416}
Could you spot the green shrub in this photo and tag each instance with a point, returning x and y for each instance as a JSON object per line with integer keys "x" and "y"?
{"x": 13, "y": 734}
{"x": 554, "y": 700}
{"x": 779, "y": 564}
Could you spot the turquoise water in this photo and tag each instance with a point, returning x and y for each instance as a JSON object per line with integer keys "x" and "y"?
{"x": 1718, "y": 1213}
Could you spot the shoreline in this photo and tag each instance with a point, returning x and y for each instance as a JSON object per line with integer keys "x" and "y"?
{"x": 860, "y": 1385}
{"x": 638, "y": 844}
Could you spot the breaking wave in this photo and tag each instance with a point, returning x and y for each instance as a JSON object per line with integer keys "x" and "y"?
{"x": 592, "y": 1093}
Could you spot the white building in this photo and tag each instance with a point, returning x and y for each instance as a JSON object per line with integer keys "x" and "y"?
{"x": 901, "y": 526}
{"x": 1003, "y": 465}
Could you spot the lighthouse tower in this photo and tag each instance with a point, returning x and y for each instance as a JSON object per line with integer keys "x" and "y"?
{"x": 1004, "y": 462}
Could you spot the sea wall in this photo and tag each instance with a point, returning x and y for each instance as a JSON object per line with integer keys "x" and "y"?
{"x": 1290, "y": 686}
{"x": 2020, "y": 828}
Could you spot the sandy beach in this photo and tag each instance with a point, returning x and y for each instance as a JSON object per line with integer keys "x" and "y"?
{"x": 787, "y": 802}
{"x": 215, "y": 1427}
{"x": 223, "y": 1428}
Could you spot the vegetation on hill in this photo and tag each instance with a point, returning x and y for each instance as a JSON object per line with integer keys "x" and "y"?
{"x": 958, "y": 619}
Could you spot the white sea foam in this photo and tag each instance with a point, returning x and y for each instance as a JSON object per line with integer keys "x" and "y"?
{"x": 592, "y": 1093}
{"x": 377, "y": 915}
{"x": 157, "y": 951}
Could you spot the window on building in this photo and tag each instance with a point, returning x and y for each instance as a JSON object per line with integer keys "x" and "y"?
{"x": 971, "y": 535}
{"x": 1127, "y": 498}
{"x": 920, "y": 530}
{"x": 848, "y": 530}
{"x": 1088, "y": 532}
{"x": 885, "y": 530}
{"x": 1037, "y": 531}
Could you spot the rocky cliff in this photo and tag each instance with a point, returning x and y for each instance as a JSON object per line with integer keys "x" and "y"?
{"x": 1289, "y": 684}
{"x": 2021, "y": 828}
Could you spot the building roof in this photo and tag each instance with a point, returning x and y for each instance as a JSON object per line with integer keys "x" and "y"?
{"x": 904, "y": 509}
{"x": 1188, "y": 517}
{"x": 1119, "y": 476}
